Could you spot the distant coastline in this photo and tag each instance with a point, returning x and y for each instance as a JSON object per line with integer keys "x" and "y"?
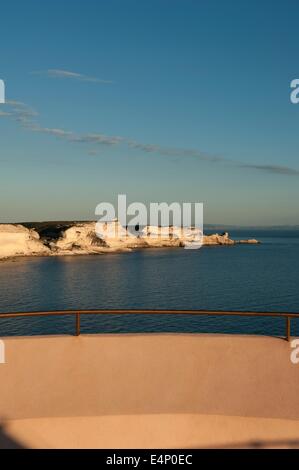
{"x": 79, "y": 238}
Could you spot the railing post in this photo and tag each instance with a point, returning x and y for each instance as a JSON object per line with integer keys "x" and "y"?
{"x": 288, "y": 328}
{"x": 77, "y": 324}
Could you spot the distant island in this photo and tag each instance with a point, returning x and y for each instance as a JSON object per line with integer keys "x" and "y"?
{"x": 80, "y": 238}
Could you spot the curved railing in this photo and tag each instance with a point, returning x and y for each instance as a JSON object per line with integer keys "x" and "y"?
{"x": 78, "y": 313}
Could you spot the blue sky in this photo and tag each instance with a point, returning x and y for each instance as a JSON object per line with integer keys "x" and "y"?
{"x": 163, "y": 100}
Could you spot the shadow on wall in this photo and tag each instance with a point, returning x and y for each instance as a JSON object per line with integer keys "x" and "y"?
{"x": 6, "y": 441}
{"x": 261, "y": 444}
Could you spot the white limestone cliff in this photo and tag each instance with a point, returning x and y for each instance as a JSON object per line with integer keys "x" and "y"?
{"x": 16, "y": 240}
{"x": 97, "y": 238}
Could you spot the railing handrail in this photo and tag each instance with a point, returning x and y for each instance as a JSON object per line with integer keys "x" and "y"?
{"x": 127, "y": 311}
{"x": 78, "y": 313}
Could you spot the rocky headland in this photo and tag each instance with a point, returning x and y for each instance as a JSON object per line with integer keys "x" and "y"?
{"x": 82, "y": 238}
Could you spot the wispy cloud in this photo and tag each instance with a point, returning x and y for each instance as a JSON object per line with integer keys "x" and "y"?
{"x": 277, "y": 169}
{"x": 15, "y": 103}
{"x": 50, "y": 131}
{"x": 19, "y": 111}
{"x": 27, "y": 119}
{"x": 174, "y": 152}
{"x": 98, "y": 139}
{"x": 4, "y": 114}
{"x": 93, "y": 152}
{"x": 66, "y": 74}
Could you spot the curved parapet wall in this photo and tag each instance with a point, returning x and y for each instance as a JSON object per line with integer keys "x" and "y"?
{"x": 127, "y": 379}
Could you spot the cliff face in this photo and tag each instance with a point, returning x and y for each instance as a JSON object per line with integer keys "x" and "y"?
{"x": 16, "y": 240}
{"x": 217, "y": 239}
{"x": 96, "y": 238}
{"x": 102, "y": 237}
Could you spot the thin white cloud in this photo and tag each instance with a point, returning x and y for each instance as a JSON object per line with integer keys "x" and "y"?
{"x": 25, "y": 116}
{"x": 15, "y": 103}
{"x": 19, "y": 111}
{"x": 66, "y": 74}
{"x": 98, "y": 139}
{"x": 50, "y": 131}
{"x": 4, "y": 114}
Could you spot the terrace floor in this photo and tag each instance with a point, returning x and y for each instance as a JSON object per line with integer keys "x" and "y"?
{"x": 152, "y": 391}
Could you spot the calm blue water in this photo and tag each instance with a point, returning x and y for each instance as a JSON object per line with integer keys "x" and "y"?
{"x": 245, "y": 277}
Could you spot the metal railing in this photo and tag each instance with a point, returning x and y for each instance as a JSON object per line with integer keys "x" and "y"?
{"x": 78, "y": 313}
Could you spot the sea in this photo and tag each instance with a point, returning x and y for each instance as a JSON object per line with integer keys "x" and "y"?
{"x": 260, "y": 277}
